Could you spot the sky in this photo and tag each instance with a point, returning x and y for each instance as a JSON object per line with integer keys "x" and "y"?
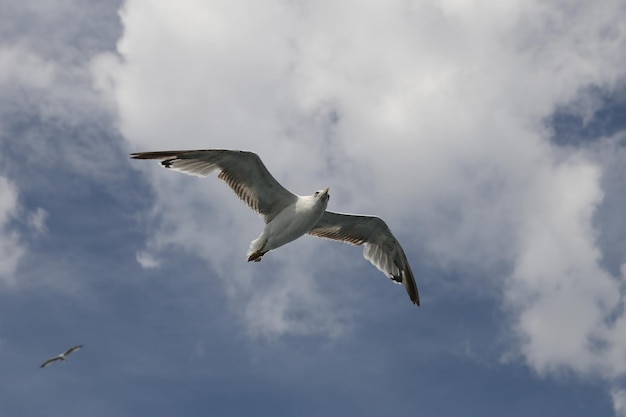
{"x": 490, "y": 136}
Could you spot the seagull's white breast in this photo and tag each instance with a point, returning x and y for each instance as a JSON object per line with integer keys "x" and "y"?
{"x": 294, "y": 221}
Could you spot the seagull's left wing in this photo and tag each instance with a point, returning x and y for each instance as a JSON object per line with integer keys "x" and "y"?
{"x": 50, "y": 361}
{"x": 72, "y": 349}
{"x": 381, "y": 247}
{"x": 243, "y": 171}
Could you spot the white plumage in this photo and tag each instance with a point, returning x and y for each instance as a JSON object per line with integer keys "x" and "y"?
{"x": 288, "y": 216}
{"x": 61, "y": 356}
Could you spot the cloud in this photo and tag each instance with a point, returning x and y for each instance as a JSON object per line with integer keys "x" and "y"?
{"x": 557, "y": 279}
{"x": 36, "y": 220}
{"x": 13, "y": 242}
{"x": 619, "y": 401}
{"x": 11, "y": 246}
{"x": 19, "y": 65}
{"x": 146, "y": 260}
{"x": 52, "y": 121}
{"x": 430, "y": 114}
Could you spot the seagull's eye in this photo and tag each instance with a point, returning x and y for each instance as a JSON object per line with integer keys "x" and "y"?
{"x": 317, "y": 193}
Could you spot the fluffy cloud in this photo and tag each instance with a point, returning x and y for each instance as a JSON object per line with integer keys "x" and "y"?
{"x": 19, "y": 65}
{"x": 13, "y": 243}
{"x": 52, "y": 121}
{"x": 619, "y": 402}
{"x": 431, "y": 114}
{"x": 11, "y": 246}
{"x": 19, "y": 68}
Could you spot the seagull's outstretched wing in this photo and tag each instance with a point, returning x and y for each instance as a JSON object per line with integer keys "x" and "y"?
{"x": 51, "y": 361}
{"x": 72, "y": 349}
{"x": 243, "y": 171}
{"x": 381, "y": 247}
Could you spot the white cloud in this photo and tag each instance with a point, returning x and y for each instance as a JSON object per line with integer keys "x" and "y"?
{"x": 619, "y": 401}
{"x": 292, "y": 303}
{"x": 147, "y": 260}
{"x": 557, "y": 282}
{"x": 51, "y": 119}
{"x": 11, "y": 247}
{"x": 430, "y": 114}
{"x": 19, "y": 65}
{"x": 36, "y": 220}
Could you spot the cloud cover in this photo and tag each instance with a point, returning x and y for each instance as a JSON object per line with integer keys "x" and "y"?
{"x": 45, "y": 83}
{"x": 433, "y": 115}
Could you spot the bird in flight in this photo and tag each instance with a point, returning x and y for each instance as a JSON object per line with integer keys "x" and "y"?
{"x": 288, "y": 216}
{"x": 61, "y": 356}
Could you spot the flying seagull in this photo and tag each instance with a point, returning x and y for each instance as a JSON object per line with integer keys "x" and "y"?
{"x": 288, "y": 216}
{"x": 61, "y": 356}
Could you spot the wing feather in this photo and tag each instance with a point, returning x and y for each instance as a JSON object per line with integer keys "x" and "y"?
{"x": 72, "y": 349}
{"x": 50, "y": 361}
{"x": 381, "y": 248}
{"x": 243, "y": 171}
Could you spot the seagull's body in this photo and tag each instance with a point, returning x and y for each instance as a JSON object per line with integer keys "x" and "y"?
{"x": 61, "y": 356}
{"x": 288, "y": 216}
{"x": 292, "y": 222}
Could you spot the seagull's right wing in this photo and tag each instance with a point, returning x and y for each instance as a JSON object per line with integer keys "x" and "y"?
{"x": 382, "y": 249}
{"x": 243, "y": 171}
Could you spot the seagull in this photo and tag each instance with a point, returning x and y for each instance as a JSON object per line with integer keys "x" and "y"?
{"x": 61, "y": 356}
{"x": 288, "y": 216}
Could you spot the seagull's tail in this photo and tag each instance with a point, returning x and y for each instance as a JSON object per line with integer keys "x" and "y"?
{"x": 256, "y": 249}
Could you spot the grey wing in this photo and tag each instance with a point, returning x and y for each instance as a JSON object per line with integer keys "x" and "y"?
{"x": 243, "y": 171}
{"x": 72, "y": 349}
{"x": 50, "y": 361}
{"x": 381, "y": 247}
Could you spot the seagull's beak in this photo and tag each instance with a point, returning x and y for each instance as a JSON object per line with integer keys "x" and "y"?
{"x": 326, "y": 190}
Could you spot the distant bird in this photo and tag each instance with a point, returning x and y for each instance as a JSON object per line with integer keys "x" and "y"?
{"x": 289, "y": 216}
{"x": 61, "y": 356}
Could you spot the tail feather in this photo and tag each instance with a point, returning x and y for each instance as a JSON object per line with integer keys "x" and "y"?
{"x": 256, "y": 249}
{"x": 256, "y": 256}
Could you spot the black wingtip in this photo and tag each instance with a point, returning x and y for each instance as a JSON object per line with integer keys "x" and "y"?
{"x": 411, "y": 287}
{"x": 147, "y": 155}
{"x": 157, "y": 154}
{"x": 415, "y": 298}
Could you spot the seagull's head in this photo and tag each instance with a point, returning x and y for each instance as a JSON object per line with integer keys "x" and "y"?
{"x": 322, "y": 195}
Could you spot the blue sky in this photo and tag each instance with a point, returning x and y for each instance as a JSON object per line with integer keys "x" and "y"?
{"x": 489, "y": 137}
